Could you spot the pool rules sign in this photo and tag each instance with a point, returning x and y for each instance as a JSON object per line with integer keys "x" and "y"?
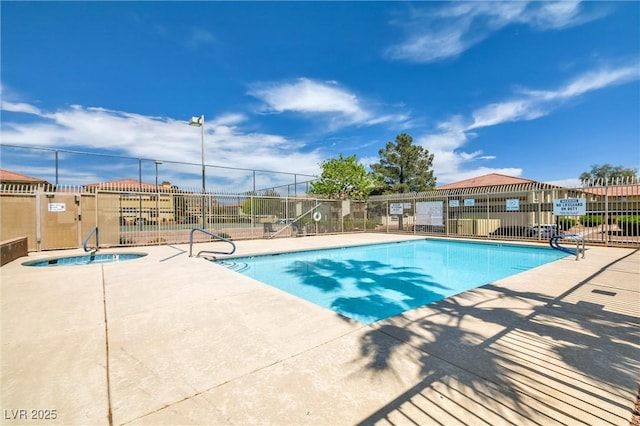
{"x": 570, "y": 207}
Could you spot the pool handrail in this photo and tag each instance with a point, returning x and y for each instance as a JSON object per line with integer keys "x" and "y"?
{"x": 94, "y": 230}
{"x": 204, "y": 231}
{"x": 553, "y": 242}
{"x": 290, "y": 224}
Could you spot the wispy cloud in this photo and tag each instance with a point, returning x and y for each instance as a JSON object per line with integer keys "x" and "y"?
{"x": 436, "y": 34}
{"x": 532, "y": 104}
{"x": 198, "y": 37}
{"x": 20, "y": 107}
{"x": 447, "y": 142}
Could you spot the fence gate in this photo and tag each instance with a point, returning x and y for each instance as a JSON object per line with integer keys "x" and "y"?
{"x": 58, "y": 224}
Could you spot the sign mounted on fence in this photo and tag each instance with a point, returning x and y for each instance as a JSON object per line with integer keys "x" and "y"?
{"x": 395, "y": 208}
{"x": 570, "y": 207}
{"x": 513, "y": 205}
{"x": 429, "y": 213}
{"x": 57, "y": 207}
{"x": 454, "y": 203}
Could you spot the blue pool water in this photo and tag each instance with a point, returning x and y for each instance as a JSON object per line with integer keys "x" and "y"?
{"x": 85, "y": 259}
{"x": 373, "y": 282}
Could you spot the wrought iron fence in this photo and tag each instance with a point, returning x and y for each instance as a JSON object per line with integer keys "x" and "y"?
{"x": 54, "y": 217}
{"x": 59, "y": 216}
{"x": 610, "y": 216}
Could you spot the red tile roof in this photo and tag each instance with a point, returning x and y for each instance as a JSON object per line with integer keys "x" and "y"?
{"x": 7, "y": 176}
{"x": 492, "y": 179}
{"x": 615, "y": 191}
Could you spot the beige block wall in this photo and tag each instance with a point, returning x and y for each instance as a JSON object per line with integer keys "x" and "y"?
{"x": 18, "y": 218}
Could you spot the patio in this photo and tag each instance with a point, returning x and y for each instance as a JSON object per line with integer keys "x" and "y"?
{"x": 169, "y": 339}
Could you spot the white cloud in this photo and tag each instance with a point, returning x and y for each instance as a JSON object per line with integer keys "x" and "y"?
{"x": 436, "y": 34}
{"x": 335, "y": 106}
{"x": 20, "y": 107}
{"x": 533, "y": 104}
{"x": 135, "y": 135}
{"x": 311, "y": 97}
{"x": 597, "y": 80}
{"x": 497, "y": 113}
{"x": 452, "y": 163}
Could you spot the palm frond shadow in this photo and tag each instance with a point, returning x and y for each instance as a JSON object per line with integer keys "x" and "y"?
{"x": 534, "y": 351}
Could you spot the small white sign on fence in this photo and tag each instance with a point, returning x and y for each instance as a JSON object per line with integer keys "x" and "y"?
{"x": 513, "y": 205}
{"x": 570, "y": 207}
{"x": 57, "y": 207}
{"x": 469, "y": 202}
{"x": 395, "y": 208}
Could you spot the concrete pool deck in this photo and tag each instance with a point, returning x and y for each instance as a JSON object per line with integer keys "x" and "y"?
{"x": 169, "y": 339}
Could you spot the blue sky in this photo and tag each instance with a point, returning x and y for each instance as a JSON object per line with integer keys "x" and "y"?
{"x": 541, "y": 90}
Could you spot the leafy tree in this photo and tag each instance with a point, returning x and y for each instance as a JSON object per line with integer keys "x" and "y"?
{"x": 343, "y": 178}
{"x": 598, "y": 174}
{"x": 405, "y": 167}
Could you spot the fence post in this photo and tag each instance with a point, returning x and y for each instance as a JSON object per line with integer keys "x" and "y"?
{"x": 605, "y": 225}
{"x": 38, "y": 220}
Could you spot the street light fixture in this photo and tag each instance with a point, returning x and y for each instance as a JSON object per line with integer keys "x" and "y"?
{"x": 158, "y": 162}
{"x": 199, "y": 122}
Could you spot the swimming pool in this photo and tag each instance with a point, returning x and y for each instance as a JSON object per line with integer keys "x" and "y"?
{"x": 372, "y": 282}
{"x": 85, "y": 259}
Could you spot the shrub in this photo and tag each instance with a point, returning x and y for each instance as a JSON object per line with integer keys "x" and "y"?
{"x": 359, "y": 224}
{"x": 591, "y": 220}
{"x": 629, "y": 225}
{"x": 224, "y": 235}
{"x": 566, "y": 223}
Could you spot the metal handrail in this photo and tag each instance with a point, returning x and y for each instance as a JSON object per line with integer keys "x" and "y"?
{"x": 553, "y": 242}
{"x": 94, "y": 230}
{"x": 578, "y": 239}
{"x": 290, "y": 224}
{"x": 204, "y": 231}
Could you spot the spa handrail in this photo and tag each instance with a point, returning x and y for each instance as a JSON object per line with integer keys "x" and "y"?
{"x": 204, "y": 231}
{"x": 94, "y": 230}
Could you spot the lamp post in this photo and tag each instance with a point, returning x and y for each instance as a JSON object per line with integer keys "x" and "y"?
{"x": 199, "y": 122}
{"x": 158, "y": 162}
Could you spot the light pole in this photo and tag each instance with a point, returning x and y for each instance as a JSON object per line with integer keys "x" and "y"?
{"x": 158, "y": 162}
{"x": 199, "y": 122}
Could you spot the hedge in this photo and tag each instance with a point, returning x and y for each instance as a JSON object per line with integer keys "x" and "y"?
{"x": 566, "y": 223}
{"x": 591, "y": 220}
{"x": 629, "y": 225}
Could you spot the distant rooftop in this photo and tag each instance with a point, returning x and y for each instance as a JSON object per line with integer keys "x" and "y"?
{"x": 492, "y": 179}
{"x": 128, "y": 184}
{"x": 11, "y": 177}
{"x": 615, "y": 191}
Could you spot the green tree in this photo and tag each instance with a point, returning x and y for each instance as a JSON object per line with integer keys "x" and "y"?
{"x": 343, "y": 178}
{"x": 599, "y": 173}
{"x": 405, "y": 167}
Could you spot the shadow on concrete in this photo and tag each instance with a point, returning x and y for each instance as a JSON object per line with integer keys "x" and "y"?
{"x": 552, "y": 363}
